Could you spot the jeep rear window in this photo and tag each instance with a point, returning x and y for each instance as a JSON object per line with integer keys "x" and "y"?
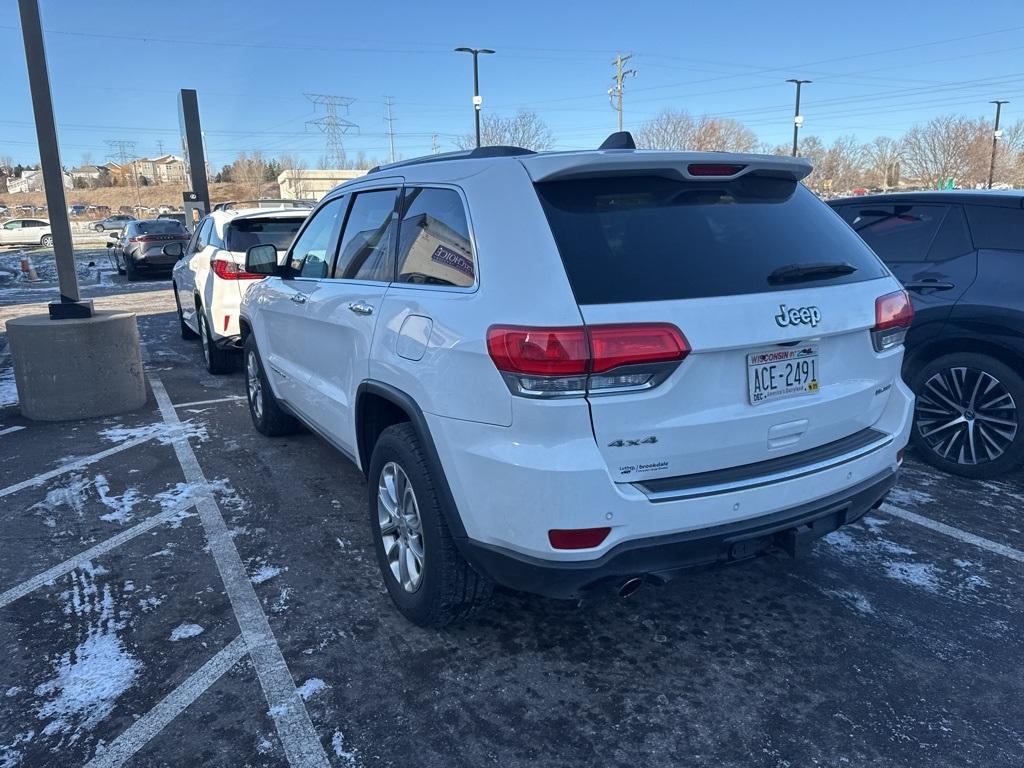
{"x": 243, "y": 234}
{"x": 647, "y": 238}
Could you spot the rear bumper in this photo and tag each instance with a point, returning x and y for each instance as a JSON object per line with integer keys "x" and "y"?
{"x": 661, "y": 558}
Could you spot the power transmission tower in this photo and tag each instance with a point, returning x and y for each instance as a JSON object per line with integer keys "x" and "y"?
{"x": 121, "y": 151}
{"x": 389, "y": 102}
{"x": 332, "y": 126}
{"x": 435, "y": 146}
{"x": 160, "y": 147}
{"x": 615, "y": 92}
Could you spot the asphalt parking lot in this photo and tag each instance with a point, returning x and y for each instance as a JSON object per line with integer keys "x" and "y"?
{"x": 177, "y": 590}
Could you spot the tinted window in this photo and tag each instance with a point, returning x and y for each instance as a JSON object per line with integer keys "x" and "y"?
{"x": 12, "y": 225}
{"x": 953, "y": 239}
{"x": 649, "y": 239}
{"x": 897, "y": 232}
{"x": 204, "y": 234}
{"x": 243, "y": 234}
{"x": 365, "y": 252}
{"x": 433, "y": 240}
{"x": 309, "y": 255}
{"x": 193, "y": 244}
{"x": 160, "y": 227}
{"x": 997, "y": 228}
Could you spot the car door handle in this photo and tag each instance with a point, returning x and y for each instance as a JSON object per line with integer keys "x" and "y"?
{"x": 923, "y": 285}
{"x": 360, "y": 308}
{"x": 298, "y": 298}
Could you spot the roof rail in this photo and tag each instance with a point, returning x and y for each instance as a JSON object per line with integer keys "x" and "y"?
{"x": 465, "y": 154}
{"x": 264, "y": 202}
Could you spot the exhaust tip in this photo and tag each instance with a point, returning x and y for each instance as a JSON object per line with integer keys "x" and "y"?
{"x": 629, "y": 586}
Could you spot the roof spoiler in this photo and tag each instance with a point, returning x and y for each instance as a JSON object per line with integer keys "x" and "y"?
{"x": 696, "y": 166}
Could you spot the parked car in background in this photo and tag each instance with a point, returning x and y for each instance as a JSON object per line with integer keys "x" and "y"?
{"x": 139, "y": 248}
{"x": 573, "y": 369}
{"x": 77, "y": 210}
{"x": 209, "y": 280}
{"x": 26, "y": 232}
{"x": 961, "y": 257}
{"x": 115, "y": 222}
{"x": 3, "y": 210}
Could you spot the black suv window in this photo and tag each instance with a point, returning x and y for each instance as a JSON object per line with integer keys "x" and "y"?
{"x": 625, "y": 239}
{"x": 433, "y": 240}
{"x": 901, "y": 232}
{"x": 366, "y": 245}
{"x": 243, "y": 234}
{"x": 953, "y": 239}
{"x": 997, "y": 228}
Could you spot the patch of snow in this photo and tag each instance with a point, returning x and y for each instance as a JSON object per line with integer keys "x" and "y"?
{"x": 265, "y": 573}
{"x": 14, "y": 690}
{"x": 853, "y": 599}
{"x": 121, "y": 506}
{"x": 350, "y": 757}
{"x": 311, "y": 686}
{"x": 909, "y": 496}
{"x": 10, "y": 755}
{"x": 72, "y": 494}
{"x": 185, "y": 631}
{"x": 921, "y": 575}
{"x": 264, "y": 745}
{"x": 160, "y": 431}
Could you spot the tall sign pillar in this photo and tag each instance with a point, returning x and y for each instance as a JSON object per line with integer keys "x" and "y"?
{"x": 195, "y": 156}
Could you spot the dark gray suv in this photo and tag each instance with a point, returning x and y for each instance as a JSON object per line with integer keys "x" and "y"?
{"x": 961, "y": 257}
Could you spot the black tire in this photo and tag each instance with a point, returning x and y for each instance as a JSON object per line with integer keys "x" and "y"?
{"x": 218, "y": 361}
{"x": 129, "y": 268}
{"x": 117, "y": 264}
{"x": 998, "y": 434}
{"x": 46, "y": 241}
{"x": 99, "y": 227}
{"x": 186, "y": 333}
{"x": 449, "y": 589}
{"x": 269, "y": 419}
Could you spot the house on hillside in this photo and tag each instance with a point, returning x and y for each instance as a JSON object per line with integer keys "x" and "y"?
{"x": 90, "y": 174}
{"x": 32, "y": 181}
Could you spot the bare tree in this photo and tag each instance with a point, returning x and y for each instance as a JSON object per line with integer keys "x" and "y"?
{"x": 944, "y": 147}
{"x": 248, "y": 170}
{"x": 675, "y": 129}
{"x": 882, "y": 158}
{"x": 526, "y": 130}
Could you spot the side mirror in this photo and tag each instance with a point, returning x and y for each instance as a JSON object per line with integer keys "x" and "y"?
{"x": 262, "y": 260}
{"x": 176, "y": 250}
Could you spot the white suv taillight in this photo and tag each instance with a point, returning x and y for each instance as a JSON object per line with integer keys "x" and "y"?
{"x": 893, "y": 315}
{"x": 579, "y": 360}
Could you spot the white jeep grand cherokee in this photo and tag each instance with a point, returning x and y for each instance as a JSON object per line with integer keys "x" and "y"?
{"x": 569, "y": 369}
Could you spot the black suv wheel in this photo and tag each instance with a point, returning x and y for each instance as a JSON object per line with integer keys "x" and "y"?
{"x": 426, "y": 576}
{"x": 968, "y": 415}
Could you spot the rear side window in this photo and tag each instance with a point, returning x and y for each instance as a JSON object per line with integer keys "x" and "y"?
{"x": 952, "y": 239}
{"x": 997, "y": 228}
{"x": 626, "y": 239}
{"x": 897, "y": 233}
{"x": 433, "y": 241}
{"x": 243, "y": 234}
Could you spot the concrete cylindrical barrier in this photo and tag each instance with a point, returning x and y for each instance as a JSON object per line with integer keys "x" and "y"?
{"x": 76, "y": 369}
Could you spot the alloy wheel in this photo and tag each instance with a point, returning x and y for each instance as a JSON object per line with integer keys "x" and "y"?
{"x": 254, "y": 385}
{"x": 400, "y": 526}
{"x": 966, "y": 415}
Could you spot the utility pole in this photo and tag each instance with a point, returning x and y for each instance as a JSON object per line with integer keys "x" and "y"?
{"x": 332, "y": 126}
{"x": 798, "y": 119}
{"x": 160, "y": 147}
{"x": 477, "y": 100}
{"x": 121, "y": 151}
{"x": 996, "y": 133}
{"x": 435, "y": 146}
{"x": 615, "y": 92}
{"x": 389, "y": 102}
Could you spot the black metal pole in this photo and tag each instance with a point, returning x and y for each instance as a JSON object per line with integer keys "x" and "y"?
{"x": 49, "y": 158}
{"x": 995, "y": 139}
{"x": 476, "y": 95}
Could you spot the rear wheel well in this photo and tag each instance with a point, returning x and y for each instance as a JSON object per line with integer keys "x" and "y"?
{"x": 244, "y": 328}
{"x": 374, "y": 414}
{"x": 921, "y": 356}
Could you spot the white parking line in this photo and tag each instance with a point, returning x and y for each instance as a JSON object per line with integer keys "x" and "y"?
{"x": 103, "y": 547}
{"x": 956, "y": 533}
{"x": 9, "y": 430}
{"x": 207, "y": 402}
{"x": 72, "y": 466}
{"x": 177, "y": 701}
{"x": 301, "y": 744}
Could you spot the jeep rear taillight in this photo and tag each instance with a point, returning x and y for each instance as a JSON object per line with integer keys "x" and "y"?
{"x": 228, "y": 270}
{"x": 595, "y": 359}
{"x": 893, "y": 316}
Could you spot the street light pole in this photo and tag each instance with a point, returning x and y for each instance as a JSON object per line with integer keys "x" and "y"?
{"x": 798, "y": 119}
{"x": 996, "y": 133}
{"x": 477, "y": 101}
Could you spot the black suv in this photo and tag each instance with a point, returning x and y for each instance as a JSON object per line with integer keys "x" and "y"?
{"x": 961, "y": 257}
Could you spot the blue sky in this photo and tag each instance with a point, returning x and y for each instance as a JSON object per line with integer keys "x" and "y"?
{"x": 877, "y": 67}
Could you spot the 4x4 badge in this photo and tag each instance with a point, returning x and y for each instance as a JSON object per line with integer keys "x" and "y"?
{"x": 627, "y": 443}
{"x": 798, "y": 316}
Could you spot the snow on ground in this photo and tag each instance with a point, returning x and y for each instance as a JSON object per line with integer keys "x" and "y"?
{"x": 121, "y": 506}
{"x": 265, "y": 573}
{"x": 903, "y": 496}
{"x": 349, "y": 757}
{"x": 164, "y": 433}
{"x": 311, "y": 686}
{"x": 185, "y": 631}
{"x": 89, "y": 679}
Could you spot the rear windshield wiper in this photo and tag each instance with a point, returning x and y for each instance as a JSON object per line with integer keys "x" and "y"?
{"x": 798, "y": 273}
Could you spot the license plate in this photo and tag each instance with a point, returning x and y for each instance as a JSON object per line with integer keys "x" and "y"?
{"x": 782, "y": 373}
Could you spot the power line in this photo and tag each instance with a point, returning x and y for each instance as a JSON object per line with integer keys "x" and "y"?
{"x": 332, "y": 126}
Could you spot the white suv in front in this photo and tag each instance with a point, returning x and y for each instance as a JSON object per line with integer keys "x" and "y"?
{"x": 573, "y": 369}
{"x": 209, "y": 278}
